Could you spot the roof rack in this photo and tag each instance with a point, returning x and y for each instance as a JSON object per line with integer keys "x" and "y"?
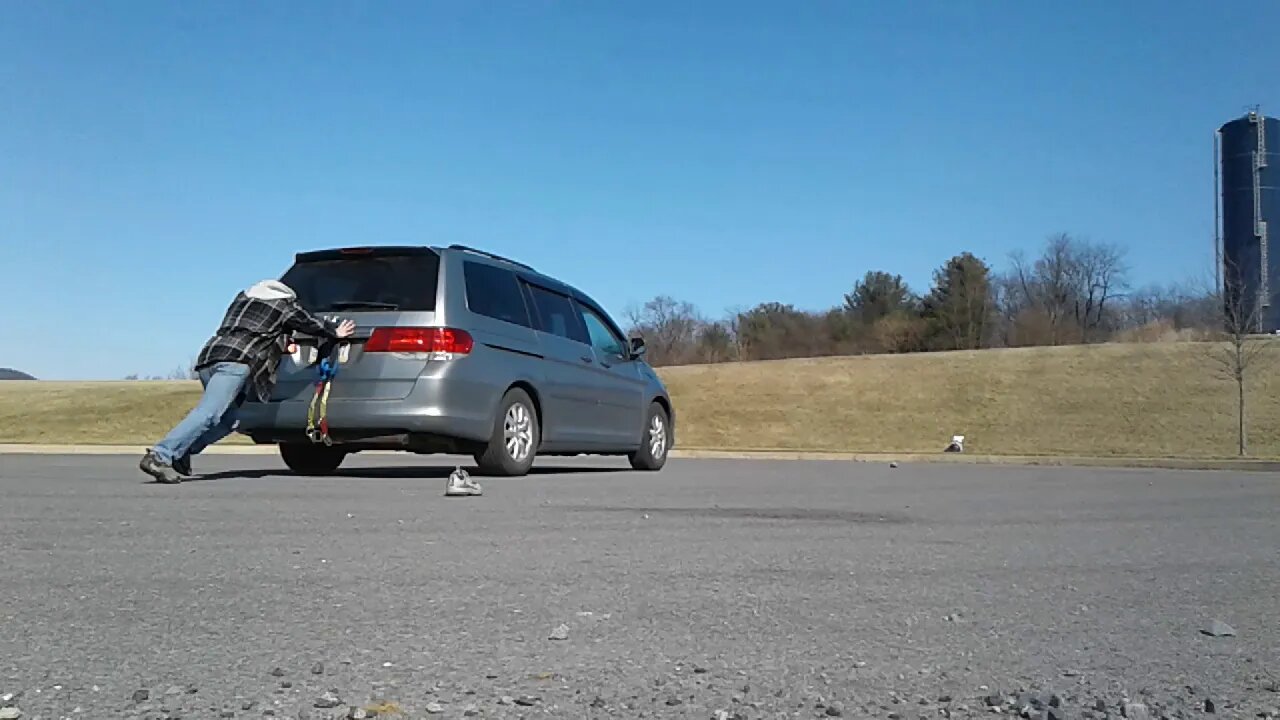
{"x": 492, "y": 256}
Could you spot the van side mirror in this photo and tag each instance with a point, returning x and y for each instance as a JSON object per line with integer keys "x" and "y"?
{"x": 637, "y": 347}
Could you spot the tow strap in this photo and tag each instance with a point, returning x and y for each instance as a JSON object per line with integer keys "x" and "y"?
{"x": 318, "y": 411}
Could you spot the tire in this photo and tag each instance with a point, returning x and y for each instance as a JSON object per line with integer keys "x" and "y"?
{"x": 655, "y": 443}
{"x": 516, "y": 435}
{"x": 308, "y": 459}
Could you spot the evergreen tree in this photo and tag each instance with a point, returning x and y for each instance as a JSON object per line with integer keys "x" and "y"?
{"x": 959, "y": 307}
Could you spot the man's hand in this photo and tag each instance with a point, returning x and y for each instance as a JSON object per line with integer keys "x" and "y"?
{"x": 346, "y": 328}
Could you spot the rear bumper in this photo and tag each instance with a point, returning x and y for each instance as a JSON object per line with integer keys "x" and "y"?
{"x": 453, "y": 409}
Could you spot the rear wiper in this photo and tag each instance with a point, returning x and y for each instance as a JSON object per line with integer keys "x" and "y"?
{"x": 353, "y": 304}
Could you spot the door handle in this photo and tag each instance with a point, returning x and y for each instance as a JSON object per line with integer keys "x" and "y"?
{"x": 586, "y": 358}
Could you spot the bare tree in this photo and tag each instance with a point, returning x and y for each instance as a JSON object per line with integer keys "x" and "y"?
{"x": 184, "y": 372}
{"x": 1242, "y": 346}
{"x": 1177, "y": 306}
{"x": 1067, "y": 292}
{"x": 1007, "y": 301}
{"x": 670, "y": 328}
{"x": 1045, "y": 284}
{"x": 1098, "y": 276}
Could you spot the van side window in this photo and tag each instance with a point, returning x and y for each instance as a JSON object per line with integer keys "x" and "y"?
{"x": 556, "y": 315}
{"x": 603, "y": 338}
{"x": 494, "y": 292}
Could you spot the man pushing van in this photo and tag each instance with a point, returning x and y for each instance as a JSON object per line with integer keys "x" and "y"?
{"x": 240, "y": 359}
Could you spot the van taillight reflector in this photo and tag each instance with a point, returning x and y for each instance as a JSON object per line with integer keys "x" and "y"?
{"x": 420, "y": 340}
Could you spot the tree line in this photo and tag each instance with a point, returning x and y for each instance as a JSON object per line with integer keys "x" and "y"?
{"x": 1074, "y": 291}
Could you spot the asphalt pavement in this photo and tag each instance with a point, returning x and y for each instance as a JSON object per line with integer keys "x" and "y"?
{"x": 714, "y": 589}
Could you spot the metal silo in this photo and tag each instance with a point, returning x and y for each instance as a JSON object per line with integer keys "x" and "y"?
{"x": 1248, "y": 151}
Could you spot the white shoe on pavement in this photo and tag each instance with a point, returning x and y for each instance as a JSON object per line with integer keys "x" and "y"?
{"x": 460, "y": 484}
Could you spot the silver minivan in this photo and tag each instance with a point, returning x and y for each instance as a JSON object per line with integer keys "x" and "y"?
{"x": 458, "y": 351}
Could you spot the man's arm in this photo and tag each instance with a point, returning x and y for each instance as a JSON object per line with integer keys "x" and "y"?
{"x": 298, "y": 319}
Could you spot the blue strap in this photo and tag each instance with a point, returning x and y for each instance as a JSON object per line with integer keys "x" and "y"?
{"x": 327, "y": 369}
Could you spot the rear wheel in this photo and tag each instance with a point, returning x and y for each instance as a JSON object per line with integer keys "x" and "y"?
{"x": 514, "y": 441}
{"x": 308, "y": 459}
{"x": 656, "y": 442}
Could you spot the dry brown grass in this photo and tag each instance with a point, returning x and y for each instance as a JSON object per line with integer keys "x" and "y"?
{"x": 97, "y": 413}
{"x": 1145, "y": 400}
{"x": 1138, "y": 400}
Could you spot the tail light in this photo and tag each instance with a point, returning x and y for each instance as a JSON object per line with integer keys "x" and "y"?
{"x": 419, "y": 340}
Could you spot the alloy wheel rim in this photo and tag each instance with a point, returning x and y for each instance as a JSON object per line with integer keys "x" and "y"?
{"x": 657, "y": 437}
{"x": 517, "y": 432}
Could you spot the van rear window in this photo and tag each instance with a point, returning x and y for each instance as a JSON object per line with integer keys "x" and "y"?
{"x": 334, "y": 283}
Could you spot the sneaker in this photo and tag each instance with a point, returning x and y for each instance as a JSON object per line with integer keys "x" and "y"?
{"x": 183, "y": 466}
{"x": 162, "y": 472}
{"x": 461, "y": 484}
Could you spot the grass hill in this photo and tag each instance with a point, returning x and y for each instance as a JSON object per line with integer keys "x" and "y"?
{"x": 1148, "y": 400}
{"x": 11, "y": 374}
{"x": 1141, "y": 400}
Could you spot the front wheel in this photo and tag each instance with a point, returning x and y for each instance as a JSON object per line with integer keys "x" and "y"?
{"x": 514, "y": 441}
{"x": 308, "y": 459}
{"x": 656, "y": 442}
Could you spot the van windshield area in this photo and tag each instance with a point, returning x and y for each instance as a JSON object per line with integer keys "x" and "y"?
{"x": 373, "y": 282}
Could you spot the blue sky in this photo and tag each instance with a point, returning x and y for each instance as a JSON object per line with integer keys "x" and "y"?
{"x": 155, "y": 157}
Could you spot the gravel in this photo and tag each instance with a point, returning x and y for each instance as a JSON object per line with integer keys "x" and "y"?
{"x": 751, "y": 591}
{"x": 1136, "y": 711}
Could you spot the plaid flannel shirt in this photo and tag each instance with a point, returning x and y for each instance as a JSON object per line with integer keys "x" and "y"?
{"x": 256, "y": 332}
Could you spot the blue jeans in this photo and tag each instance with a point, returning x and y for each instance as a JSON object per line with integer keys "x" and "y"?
{"x": 215, "y": 416}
